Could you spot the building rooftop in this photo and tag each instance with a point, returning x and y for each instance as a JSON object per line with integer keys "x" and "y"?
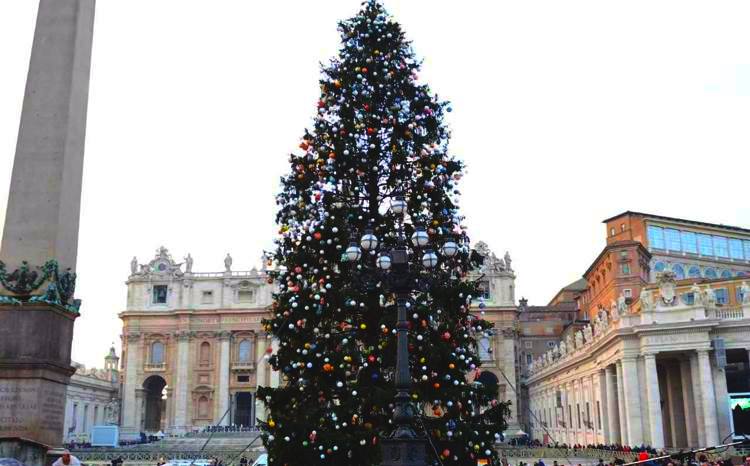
{"x": 681, "y": 220}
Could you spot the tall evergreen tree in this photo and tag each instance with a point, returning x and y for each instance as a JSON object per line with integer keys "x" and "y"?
{"x": 378, "y": 134}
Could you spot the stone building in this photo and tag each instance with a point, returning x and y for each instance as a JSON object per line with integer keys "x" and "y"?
{"x": 193, "y": 346}
{"x": 93, "y": 399}
{"x": 665, "y": 362}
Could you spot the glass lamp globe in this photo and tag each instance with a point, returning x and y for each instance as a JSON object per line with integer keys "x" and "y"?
{"x": 398, "y": 205}
{"x": 369, "y": 241}
{"x": 450, "y": 249}
{"x": 429, "y": 259}
{"x": 384, "y": 262}
{"x": 420, "y": 238}
{"x": 353, "y": 253}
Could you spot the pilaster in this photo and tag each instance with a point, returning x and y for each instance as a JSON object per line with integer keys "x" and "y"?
{"x": 183, "y": 382}
{"x": 130, "y": 421}
{"x": 622, "y": 414}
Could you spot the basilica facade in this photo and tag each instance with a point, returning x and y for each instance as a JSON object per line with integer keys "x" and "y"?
{"x": 194, "y": 347}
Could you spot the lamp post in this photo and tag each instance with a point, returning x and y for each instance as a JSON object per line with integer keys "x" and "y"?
{"x": 404, "y": 447}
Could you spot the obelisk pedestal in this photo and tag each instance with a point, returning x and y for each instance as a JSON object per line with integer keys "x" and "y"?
{"x": 40, "y": 239}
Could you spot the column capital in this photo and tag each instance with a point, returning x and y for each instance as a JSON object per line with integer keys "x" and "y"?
{"x": 701, "y": 351}
{"x": 133, "y": 337}
{"x": 649, "y": 356}
{"x": 224, "y": 335}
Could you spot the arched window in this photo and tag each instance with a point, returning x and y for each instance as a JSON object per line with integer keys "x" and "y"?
{"x": 485, "y": 352}
{"x": 157, "y": 352}
{"x": 203, "y": 406}
{"x": 694, "y": 272}
{"x": 244, "y": 351}
{"x": 205, "y": 353}
{"x": 659, "y": 267}
{"x": 711, "y": 273}
{"x": 679, "y": 271}
{"x": 726, "y": 274}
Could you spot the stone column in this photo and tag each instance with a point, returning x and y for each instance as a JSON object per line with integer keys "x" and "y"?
{"x": 722, "y": 402}
{"x": 223, "y": 393}
{"x": 688, "y": 403}
{"x": 621, "y": 412}
{"x": 182, "y": 383}
{"x": 656, "y": 423}
{"x": 509, "y": 368}
{"x": 260, "y": 373}
{"x": 698, "y": 399}
{"x": 613, "y": 422}
{"x": 130, "y": 424}
{"x": 170, "y": 409}
{"x": 631, "y": 391}
{"x": 708, "y": 397}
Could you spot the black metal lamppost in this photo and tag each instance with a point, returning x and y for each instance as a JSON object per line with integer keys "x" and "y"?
{"x": 403, "y": 447}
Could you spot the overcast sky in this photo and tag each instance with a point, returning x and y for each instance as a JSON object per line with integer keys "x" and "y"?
{"x": 566, "y": 112}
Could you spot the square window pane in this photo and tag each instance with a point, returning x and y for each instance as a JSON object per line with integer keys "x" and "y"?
{"x": 689, "y": 242}
{"x": 735, "y": 249}
{"x": 722, "y": 297}
{"x": 160, "y": 294}
{"x": 656, "y": 237}
{"x": 720, "y": 246}
{"x": 705, "y": 245}
{"x": 746, "y": 247}
{"x": 673, "y": 239}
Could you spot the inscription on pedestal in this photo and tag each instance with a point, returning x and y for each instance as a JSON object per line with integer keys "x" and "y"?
{"x": 33, "y": 409}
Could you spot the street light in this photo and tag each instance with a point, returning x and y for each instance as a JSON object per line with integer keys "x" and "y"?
{"x": 393, "y": 269}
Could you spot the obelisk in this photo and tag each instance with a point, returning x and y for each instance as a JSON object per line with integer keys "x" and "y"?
{"x": 40, "y": 239}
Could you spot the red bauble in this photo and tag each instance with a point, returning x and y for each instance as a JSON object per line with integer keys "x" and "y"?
{"x": 371, "y": 358}
{"x": 446, "y": 453}
{"x": 446, "y": 336}
{"x": 298, "y": 269}
{"x": 317, "y": 234}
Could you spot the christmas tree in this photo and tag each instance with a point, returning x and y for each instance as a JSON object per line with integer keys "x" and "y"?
{"x": 373, "y": 173}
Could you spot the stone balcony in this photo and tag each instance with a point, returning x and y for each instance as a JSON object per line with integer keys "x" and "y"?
{"x": 247, "y": 366}
{"x": 155, "y": 367}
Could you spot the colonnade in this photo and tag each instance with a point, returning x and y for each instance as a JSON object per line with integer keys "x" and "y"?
{"x": 674, "y": 399}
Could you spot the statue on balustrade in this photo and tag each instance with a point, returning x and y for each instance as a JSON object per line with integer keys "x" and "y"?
{"x": 745, "y": 293}
{"x": 579, "y": 340}
{"x": 709, "y": 297}
{"x": 647, "y": 300}
{"x": 563, "y": 348}
{"x": 588, "y": 333}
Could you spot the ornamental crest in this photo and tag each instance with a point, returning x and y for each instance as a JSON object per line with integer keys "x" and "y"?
{"x": 667, "y": 285}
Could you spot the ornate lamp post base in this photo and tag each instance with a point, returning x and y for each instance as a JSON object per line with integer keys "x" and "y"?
{"x": 404, "y": 452}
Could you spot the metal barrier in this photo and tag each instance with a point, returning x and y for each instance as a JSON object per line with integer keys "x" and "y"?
{"x": 129, "y": 455}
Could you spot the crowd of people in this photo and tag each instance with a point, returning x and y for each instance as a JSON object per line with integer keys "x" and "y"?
{"x": 228, "y": 429}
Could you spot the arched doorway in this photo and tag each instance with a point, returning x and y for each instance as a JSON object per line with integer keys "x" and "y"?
{"x": 155, "y": 403}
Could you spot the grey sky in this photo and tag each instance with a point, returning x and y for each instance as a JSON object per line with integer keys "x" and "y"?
{"x": 567, "y": 112}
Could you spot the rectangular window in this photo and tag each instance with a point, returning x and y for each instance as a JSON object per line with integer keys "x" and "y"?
{"x": 85, "y": 418}
{"x": 689, "y": 242}
{"x": 578, "y": 411}
{"x": 720, "y": 246}
{"x": 624, "y": 269}
{"x": 484, "y": 289}
{"x": 722, "y": 296}
{"x": 160, "y": 294}
{"x": 243, "y": 378}
{"x": 627, "y": 292}
{"x": 738, "y": 294}
{"x": 705, "y": 245}
{"x": 612, "y": 231}
{"x": 207, "y": 297}
{"x": 528, "y": 344}
{"x": 688, "y": 299}
{"x": 655, "y": 237}
{"x": 245, "y": 296}
{"x": 96, "y": 415}
{"x": 746, "y": 247}
{"x": 624, "y": 255}
{"x": 673, "y": 239}
{"x": 735, "y": 249}
{"x": 529, "y": 359}
{"x": 598, "y": 415}
{"x": 588, "y": 414}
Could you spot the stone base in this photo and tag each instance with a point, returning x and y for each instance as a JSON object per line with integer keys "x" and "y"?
{"x": 403, "y": 452}
{"x": 35, "y": 342}
{"x": 27, "y": 452}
